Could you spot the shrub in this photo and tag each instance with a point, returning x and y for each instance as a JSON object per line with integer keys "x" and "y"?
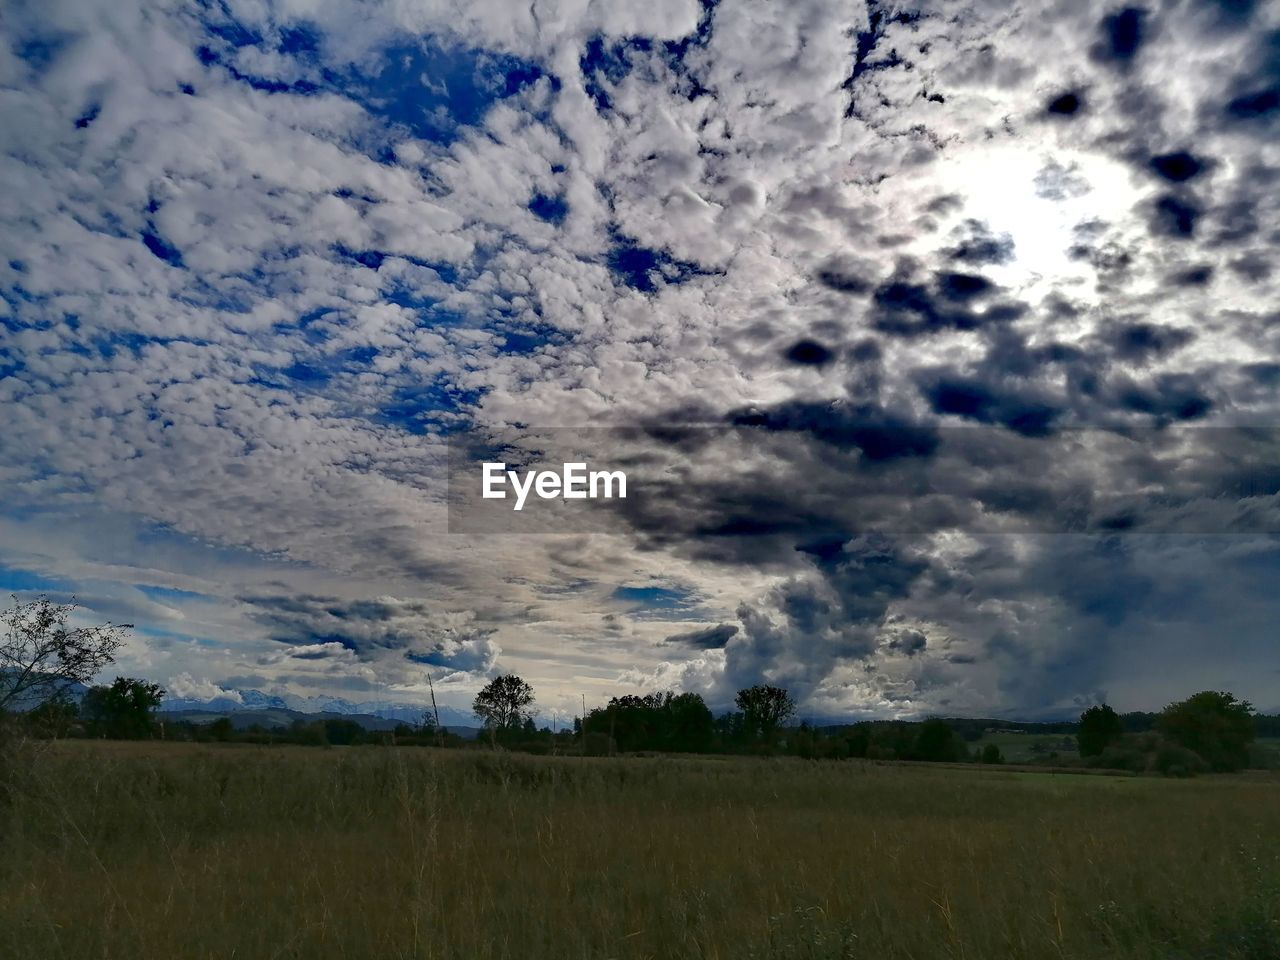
{"x": 1175, "y": 760}
{"x": 1124, "y": 755}
{"x": 1214, "y": 724}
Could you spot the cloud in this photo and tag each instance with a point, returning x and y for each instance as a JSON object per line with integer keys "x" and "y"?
{"x": 186, "y": 687}
{"x": 710, "y": 638}
{"x": 376, "y": 630}
{"x": 920, "y": 277}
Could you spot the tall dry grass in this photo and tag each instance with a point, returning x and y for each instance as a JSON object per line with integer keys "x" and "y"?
{"x": 182, "y": 851}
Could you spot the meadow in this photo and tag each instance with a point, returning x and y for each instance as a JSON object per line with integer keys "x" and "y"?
{"x": 174, "y": 851}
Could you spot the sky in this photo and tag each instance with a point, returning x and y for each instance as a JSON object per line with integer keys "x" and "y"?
{"x": 943, "y": 339}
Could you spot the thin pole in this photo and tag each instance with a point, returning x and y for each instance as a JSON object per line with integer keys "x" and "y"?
{"x": 434, "y": 709}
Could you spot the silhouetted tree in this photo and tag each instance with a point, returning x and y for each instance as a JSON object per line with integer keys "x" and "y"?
{"x": 1100, "y": 727}
{"x": 503, "y": 704}
{"x": 691, "y": 727}
{"x": 991, "y": 754}
{"x": 343, "y": 732}
{"x": 222, "y": 729}
{"x": 40, "y": 655}
{"x": 764, "y": 709}
{"x": 122, "y": 711}
{"x": 859, "y": 740}
{"x": 937, "y": 742}
{"x": 1214, "y": 725}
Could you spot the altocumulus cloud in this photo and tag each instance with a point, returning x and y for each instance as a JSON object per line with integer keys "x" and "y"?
{"x": 259, "y": 262}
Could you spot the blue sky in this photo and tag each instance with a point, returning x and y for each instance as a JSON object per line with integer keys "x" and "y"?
{"x": 262, "y": 260}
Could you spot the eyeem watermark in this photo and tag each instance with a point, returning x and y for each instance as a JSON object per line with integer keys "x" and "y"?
{"x": 573, "y": 482}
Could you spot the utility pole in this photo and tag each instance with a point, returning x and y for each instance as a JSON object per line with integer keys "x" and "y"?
{"x": 434, "y": 709}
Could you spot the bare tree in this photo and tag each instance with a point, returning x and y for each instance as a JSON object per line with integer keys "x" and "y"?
{"x": 40, "y": 655}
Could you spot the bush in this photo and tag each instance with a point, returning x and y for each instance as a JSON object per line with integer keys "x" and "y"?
{"x": 1214, "y": 724}
{"x": 1125, "y": 755}
{"x": 1175, "y": 760}
{"x": 991, "y": 754}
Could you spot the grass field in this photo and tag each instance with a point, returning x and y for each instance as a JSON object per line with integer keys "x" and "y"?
{"x": 1017, "y": 747}
{"x": 144, "y": 851}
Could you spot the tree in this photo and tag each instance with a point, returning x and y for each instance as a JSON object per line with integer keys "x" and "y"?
{"x": 859, "y": 740}
{"x": 53, "y": 719}
{"x": 342, "y": 732}
{"x": 1214, "y": 724}
{"x": 503, "y": 704}
{"x": 937, "y": 742}
{"x": 40, "y": 655}
{"x": 1100, "y": 727}
{"x": 765, "y": 708}
{"x": 123, "y": 710}
{"x": 691, "y": 727}
{"x": 991, "y": 754}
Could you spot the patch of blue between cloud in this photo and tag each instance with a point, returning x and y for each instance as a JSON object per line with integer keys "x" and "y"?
{"x": 122, "y": 342}
{"x": 14, "y": 580}
{"x": 169, "y": 593}
{"x": 157, "y": 633}
{"x": 89, "y": 115}
{"x": 161, "y": 248}
{"x": 867, "y": 56}
{"x": 438, "y": 407}
{"x": 643, "y": 269}
{"x": 39, "y": 52}
{"x": 430, "y": 89}
{"x": 658, "y": 603}
{"x": 434, "y": 91}
{"x": 605, "y": 65}
{"x": 317, "y": 371}
{"x": 374, "y": 259}
{"x": 548, "y": 208}
{"x": 523, "y": 342}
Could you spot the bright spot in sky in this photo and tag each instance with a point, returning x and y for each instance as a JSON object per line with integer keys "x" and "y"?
{"x": 1038, "y": 199}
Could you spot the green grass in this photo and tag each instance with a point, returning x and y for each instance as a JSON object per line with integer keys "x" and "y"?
{"x": 180, "y": 851}
{"x": 1018, "y": 747}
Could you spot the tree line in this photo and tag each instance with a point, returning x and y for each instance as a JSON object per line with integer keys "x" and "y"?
{"x": 42, "y": 658}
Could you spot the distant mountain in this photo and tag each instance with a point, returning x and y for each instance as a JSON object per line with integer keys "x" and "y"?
{"x": 239, "y": 701}
{"x": 69, "y": 689}
{"x": 277, "y": 717}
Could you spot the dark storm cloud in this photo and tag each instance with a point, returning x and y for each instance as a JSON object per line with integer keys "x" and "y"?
{"x": 1065, "y": 104}
{"x": 878, "y": 433}
{"x": 977, "y": 244}
{"x": 1174, "y": 216}
{"x": 878, "y": 377}
{"x": 1142, "y": 342}
{"x": 809, "y": 353}
{"x": 907, "y": 642}
{"x": 711, "y": 638}
{"x": 803, "y": 628}
{"x": 1178, "y": 167}
{"x": 909, "y": 309}
{"x": 1018, "y": 408}
{"x": 1121, "y": 35}
{"x": 845, "y": 274}
{"x": 374, "y": 630}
